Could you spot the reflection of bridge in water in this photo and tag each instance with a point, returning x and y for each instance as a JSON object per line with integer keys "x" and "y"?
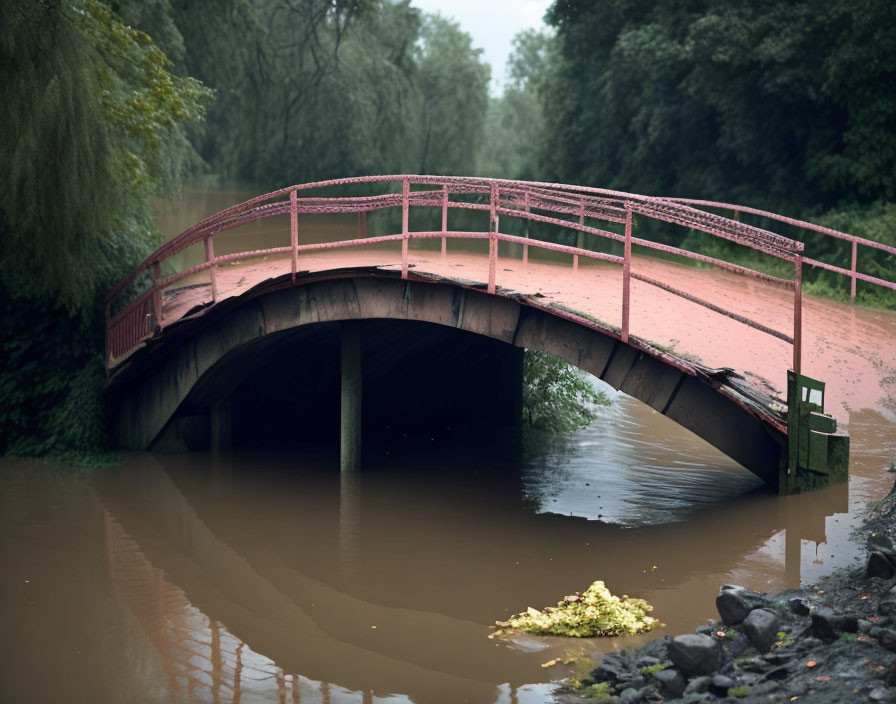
{"x": 204, "y": 662}
{"x": 237, "y": 600}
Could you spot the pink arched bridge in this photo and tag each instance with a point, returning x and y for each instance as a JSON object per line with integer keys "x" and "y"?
{"x": 756, "y": 331}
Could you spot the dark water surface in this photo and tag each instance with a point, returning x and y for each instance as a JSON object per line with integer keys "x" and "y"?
{"x": 266, "y": 576}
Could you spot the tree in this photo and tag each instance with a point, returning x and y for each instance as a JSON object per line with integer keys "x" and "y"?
{"x": 514, "y": 137}
{"x": 781, "y": 105}
{"x": 92, "y": 122}
{"x": 453, "y": 85}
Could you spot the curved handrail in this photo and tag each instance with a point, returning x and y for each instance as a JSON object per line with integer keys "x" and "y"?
{"x": 550, "y": 203}
{"x": 805, "y": 225}
{"x": 688, "y": 216}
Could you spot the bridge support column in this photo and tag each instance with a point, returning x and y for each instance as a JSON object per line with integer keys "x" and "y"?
{"x": 350, "y": 411}
{"x": 221, "y": 421}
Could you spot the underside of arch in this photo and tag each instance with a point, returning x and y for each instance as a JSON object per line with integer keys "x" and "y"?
{"x": 185, "y": 360}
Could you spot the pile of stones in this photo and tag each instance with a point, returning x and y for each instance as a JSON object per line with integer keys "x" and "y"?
{"x": 833, "y": 642}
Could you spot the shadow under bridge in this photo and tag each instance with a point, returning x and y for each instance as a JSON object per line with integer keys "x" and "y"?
{"x": 423, "y": 349}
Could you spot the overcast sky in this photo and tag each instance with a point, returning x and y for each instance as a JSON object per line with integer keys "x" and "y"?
{"x": 492, "y": 24}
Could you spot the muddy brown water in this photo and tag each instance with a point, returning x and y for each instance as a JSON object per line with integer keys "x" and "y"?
{"x": 265, "y": 576}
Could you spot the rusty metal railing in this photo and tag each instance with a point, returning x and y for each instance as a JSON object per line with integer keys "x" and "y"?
{"x": 130, "y": 322}
{"x": 851, "y": 273}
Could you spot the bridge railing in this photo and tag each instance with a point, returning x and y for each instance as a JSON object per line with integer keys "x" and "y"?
{"x": 135, "y": 310}
{"x": 854, "y": 241}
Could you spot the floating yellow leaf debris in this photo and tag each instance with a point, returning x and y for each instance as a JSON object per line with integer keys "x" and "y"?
{"x": 549, "y": 663}
{"x": 596, "y": 612}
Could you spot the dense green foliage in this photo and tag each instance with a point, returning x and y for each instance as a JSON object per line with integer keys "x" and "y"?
{"x": 326, "y": 88}
{"x": 91, "y": 123}
{"x": 557, "y": 397}
{"x": 515, "y": 131}
{"x": 785, "y": 105}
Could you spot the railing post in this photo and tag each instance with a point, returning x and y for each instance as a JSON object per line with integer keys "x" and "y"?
{"x": 156, "y": 293}
{"x": 580, "y": 236}
{"x": 444, "y": 220}
{"x": 525, "y": 246}
{"x": 404, "y": 227}
{"x": 626, "y": 272}
{"x": 797, "y": 312}
{"x": 492, "y": 236}
{"x": 852, "y": 283}
{"x": 210, "y": 257}
{"x": 294, "y": 231}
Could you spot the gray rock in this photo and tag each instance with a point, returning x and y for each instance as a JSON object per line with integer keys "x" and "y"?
{"x": 886, "y": 607}
{"x": 671, "y": 683}
{"x": 879, "y": 694}
{"x": 637, "y": 681}
{"x": 698, "y": 685}
{"x": 828, "y": 626}
{"x": 761, "y": 627}
{"x": 613, "y": 669}
{"x": 887, "y": 639}
{"x": 630, "y": 695}
{"x": 879, "y": 541}
{"x": 798, "y": 606}
{"x": 734, "y": 603}
{"x": 879, "y": 566}
{"x": 707, "y": 629}
{"x": 694, "y": 653}
{"x": 749, "y": 678}
{"x": 721, "y": 684}
{"x": 823, "y": 625}
{"x": 696, "y": 698}
{"x": 753, "y": 665}
{"x": 739, "y": 645}
{"x": 864, "y": 625}
{"x": 808, "y": 642}
{"x": 646, "y": 661}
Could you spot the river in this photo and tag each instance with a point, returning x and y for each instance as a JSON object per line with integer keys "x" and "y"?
{"x": 263, "y": 575}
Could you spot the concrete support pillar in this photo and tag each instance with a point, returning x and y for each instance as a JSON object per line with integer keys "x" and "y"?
{"x": 221, "y": 417}
{"x": 350, "y": 415}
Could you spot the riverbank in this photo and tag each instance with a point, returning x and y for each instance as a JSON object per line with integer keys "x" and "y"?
{"x": 832, "y": 641}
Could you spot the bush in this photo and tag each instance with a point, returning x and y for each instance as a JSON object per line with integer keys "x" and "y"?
{"x": 557, "y": 397}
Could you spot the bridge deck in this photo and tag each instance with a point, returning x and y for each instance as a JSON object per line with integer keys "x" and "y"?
{"x": 851, "y": 348}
